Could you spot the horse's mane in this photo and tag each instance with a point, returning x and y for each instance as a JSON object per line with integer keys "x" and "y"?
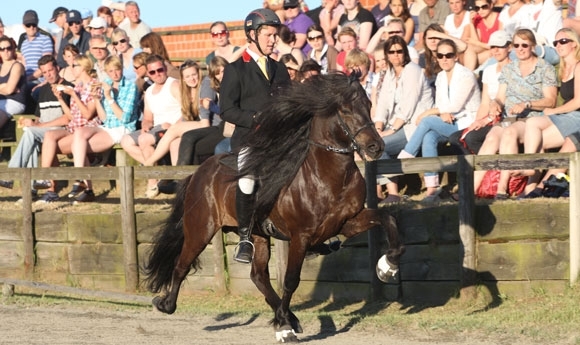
{"x": 279, "y": 145}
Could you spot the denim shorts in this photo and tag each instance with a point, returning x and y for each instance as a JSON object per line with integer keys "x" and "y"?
{"x": 568, "y": 123}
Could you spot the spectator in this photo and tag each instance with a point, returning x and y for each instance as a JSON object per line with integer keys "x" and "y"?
{"x": 98, "y": 52}
{"x": 81, "y": 113}
{"x": 122, "y": 48}
{"x": 433, "y": 35}
{"x": 152, "y": 43}
{"x": 12, "y": 82}
{"x": 404, "y": 95}
{"x": 190, "y": 120}
{"x": 50, "y": 116}
{"x": 198, "y": 144}
{"x": 381, "y": 11}
{"x": 309, "y": 69}
{"x": 106, "y": 13}
{"x": 221, "y": 38}
{"x": 116, "y": 104}
{"x": 162, "y": 109}
{"x": 143, "y": 81}
{"x": 457, "y": 98}
{"x": 33, "y": 46}
{"x": 87, "y": 16}
{"x": 551, "y": 130}
{"x": 298, "y": 23}
{"x": 477, "y": 34}
{"x": 513, "y": 14}
{"x": 134, "y": 26}
{"x": 357, "y": 60}
{"x": 59, "y": 19}
{"x": 118, "y": 9}
{"x": 471, "y": 139}
{"x": 322, "y": 53}
{"x": 1, "y": 28}
{"x": 98, "y": 27}
{"x": 360, "y": 20}
{"x": 434, "y": 13}
{"x": 400, "y": 9}
{"x": 286, "y": 44}
{"x": 246, "y": 87}
{"x": 70, "y": 51}
{"x": 394, "y": 27}
{"x": 77, "y": 36}
{"x": 459, "y": 18}
{"x": 347, "y": 40}
{"x": 526, "y": 87}
{"x": 328, "y": 19}
{"x": 291, "y": 66}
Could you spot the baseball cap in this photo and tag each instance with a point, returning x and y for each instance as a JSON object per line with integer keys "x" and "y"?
{"x": 97, "y": 23}
{"x": 291, "y": 3}
{"x": 57, "y": 12}
{"x": 499, "y": 39}
{"x": 30, "y": 17}
{"x": 73, "y": 16}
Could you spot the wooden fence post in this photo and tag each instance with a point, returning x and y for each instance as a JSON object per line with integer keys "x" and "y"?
{"x": 27, "y": 228}
{"x": 129, "y": 228}
{"x": 374, "y": 234}
{"x": 574, "y": 172}
{"x": 465, "y": 169}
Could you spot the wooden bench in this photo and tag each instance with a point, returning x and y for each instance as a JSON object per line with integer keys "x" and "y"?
{"x": 11, "y": 133}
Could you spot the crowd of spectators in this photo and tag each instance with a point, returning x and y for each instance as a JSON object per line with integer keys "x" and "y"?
{"x": 479, "y": 75}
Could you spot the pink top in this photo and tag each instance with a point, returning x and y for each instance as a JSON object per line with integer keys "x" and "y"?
{"x": 484, "y": 31}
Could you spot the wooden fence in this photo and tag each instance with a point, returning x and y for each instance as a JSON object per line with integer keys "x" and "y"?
{"x": 463, "y": 165}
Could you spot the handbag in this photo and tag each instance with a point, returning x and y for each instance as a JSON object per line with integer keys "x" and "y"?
{"x": 488, "y": 187}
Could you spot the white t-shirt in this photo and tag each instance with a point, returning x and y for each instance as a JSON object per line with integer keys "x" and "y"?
{"x": 490, "y": 78}
{"x": 453, "y": 31}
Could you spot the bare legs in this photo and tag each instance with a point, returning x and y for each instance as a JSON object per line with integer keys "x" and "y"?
{"x": 89, "y": 139}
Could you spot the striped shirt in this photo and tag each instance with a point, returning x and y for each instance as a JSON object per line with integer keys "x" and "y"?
{"x": 126, "y": 98}
{"x": 33, "y": 50}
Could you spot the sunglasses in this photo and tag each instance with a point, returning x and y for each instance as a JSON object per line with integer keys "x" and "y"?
{"x": 447, "y": 56}
{"x": 120, "y": 41}
{"x": 393, "y": 52}
{"x": 74, "y": 23}
{"x": 137, "y": 67}
{"x": 157, "y": 71}
{"x": 314, "y": 38}
{"x": 9, "y": 48}
{"x": 482, "y": 7}
{"x": 561, "y": 41}
{"x": 31, "y": 26}
{"x": 523, "y": 45}
{"x": 222, "y": 33}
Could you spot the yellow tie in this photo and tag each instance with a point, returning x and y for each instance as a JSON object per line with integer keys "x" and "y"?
{"x": 262, "y": 64}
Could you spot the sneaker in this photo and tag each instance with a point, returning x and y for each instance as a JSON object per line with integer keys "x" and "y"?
{"x": 76, "y": 189}
{"x": 390, "y": 199}
{"x": 152, "y": 192}
{"x": 48, "y": 197}
{"x": 86, "y": 196}
{"x": 42, "y": 184}
{"x": 7, "y": 184}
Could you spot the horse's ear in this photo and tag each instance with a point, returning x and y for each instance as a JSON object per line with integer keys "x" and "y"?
{"x": 354, "y": 75}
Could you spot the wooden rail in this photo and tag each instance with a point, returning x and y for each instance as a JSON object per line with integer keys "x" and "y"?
{"x": 464, "y": 166}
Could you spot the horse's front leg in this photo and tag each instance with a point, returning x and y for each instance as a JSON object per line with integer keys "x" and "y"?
{"x": 261, "y": 274}
{"x": 388, "y": 264}
{"x": 288, "y": 324}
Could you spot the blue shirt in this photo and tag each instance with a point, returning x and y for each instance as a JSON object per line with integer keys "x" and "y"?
{"x": 127, "y": 100}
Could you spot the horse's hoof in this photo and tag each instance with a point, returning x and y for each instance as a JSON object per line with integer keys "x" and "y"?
{"x": 385, "y": 269}
{"x": 286, "y": 336}
{"x": 159, "y": 304}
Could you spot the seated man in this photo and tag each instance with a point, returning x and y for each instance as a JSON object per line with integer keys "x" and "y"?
{"x": 162, "y": 109}
{"x": 50, "y": 117}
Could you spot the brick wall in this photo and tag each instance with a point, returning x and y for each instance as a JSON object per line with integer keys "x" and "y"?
{"x": 194, "y": 42}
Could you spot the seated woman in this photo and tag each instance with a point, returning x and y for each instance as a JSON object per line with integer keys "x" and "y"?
{"x": 285, "y": 44}
{"x": 116, "y": 102}
{"x": 123, "y": 49}
{"x": 551, "y": 130}
{"x": 360, "y": 61}
{"x": 477, "y": 33}
{"x": 190, "y": 73}
{"x": 82, "y": 112}
{"x": 403, "y": 96}
{"x": 152, "y": 43}
{"x": 323, "y": 53}
{"x": 220, "y": 37}
{"x": 471, "y": 139}
{"x": 198, "y": 144}
{"x": 69, "y": 53}
{"x": 457, "y": 98}
{"x": 526, "y": 87}
{"x": 12, "y": 82}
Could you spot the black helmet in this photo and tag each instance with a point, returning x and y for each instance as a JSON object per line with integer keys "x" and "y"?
{"x": 259, "y": 17}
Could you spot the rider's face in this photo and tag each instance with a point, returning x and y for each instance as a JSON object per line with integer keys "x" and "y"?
{"x": 267, "y": 38}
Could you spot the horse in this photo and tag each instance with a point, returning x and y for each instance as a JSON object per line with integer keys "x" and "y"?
{"x": 302, "y": 153}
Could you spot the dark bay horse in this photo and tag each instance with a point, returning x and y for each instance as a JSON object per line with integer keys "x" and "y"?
{"x": 310, "y": 190}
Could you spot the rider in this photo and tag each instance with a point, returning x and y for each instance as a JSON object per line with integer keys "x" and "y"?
{"x": 245, "y": 88}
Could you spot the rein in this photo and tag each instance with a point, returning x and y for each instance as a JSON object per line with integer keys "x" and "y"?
{"x": 354, "y": 146}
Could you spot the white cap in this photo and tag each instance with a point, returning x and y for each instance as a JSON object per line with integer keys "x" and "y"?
{"x": 97, "y": 23}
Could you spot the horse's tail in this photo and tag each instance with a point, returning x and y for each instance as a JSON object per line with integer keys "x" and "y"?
{"x": 167, "y": 245}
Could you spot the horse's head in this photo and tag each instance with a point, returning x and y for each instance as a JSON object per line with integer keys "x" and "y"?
{"x": 342, "y": 121}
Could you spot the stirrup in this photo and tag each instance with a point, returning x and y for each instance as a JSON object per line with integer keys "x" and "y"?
{"x": 244, "y": 256}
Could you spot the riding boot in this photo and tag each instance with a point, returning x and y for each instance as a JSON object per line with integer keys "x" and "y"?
{"x": 244, "y": 211}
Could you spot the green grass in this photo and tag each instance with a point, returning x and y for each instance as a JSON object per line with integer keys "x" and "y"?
{"x": 540, "y": 318}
